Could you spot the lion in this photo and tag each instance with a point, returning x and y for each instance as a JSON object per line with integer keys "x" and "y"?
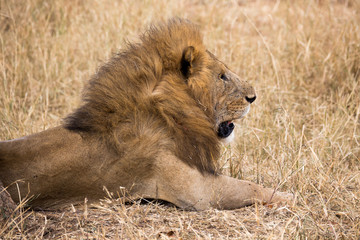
{"x": 151, "y": 121}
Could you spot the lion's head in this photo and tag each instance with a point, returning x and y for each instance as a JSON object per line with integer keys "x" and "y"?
{"x": 169, "y": 83}
{"x": 231, "y": 96}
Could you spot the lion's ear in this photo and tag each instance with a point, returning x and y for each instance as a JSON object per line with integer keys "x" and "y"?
{"x": 187, "y": 61}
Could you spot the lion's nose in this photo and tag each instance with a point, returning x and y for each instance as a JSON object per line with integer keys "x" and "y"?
{"x": 250, "y": 99}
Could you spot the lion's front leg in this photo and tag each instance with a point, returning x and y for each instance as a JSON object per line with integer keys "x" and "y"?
{"x": 176, "y": 182}
{"x": 231, "y": 193}
{"x": 187, "y": 188}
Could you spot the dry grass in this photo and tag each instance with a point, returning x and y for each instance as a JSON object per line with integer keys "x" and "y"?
{"x": 302, "y": 135}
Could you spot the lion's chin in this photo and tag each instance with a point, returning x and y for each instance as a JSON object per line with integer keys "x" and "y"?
{"x": 228, "y": 139}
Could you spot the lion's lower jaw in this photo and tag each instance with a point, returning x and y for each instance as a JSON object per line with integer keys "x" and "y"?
{"x": 228, "y": 139}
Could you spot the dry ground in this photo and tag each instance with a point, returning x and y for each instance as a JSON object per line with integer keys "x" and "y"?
{"x": 302, "y": 135}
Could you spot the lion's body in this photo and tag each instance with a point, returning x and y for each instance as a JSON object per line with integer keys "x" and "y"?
{"x": 150, "y": 122}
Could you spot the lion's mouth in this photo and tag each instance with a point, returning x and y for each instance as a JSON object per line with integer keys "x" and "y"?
{"x": 225, "y": 129}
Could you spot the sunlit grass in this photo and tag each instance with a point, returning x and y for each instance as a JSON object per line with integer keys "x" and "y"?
{"x": 302, "y": 134}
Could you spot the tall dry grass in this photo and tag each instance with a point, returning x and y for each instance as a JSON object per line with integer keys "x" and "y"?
{"x": 302, "y": 134}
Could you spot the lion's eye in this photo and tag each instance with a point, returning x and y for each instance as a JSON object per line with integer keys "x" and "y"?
{"x": 223, "y": 76}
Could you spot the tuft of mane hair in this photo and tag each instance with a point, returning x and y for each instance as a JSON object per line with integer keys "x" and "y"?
{"x": 142, "y": 94}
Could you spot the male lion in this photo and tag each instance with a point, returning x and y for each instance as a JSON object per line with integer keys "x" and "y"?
{"x": 151, "y": 121}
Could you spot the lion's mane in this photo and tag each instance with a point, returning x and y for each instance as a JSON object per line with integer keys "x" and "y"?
{"x": 142, "y": 99}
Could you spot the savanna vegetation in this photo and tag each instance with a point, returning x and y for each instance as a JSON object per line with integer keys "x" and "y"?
{"x": 302, "y": 134}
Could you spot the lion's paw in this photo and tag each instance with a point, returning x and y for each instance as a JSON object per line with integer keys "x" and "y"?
{"x": 282, "y": 198}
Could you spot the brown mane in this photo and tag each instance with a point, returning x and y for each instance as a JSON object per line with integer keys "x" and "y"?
{"x": 115, "y": 97}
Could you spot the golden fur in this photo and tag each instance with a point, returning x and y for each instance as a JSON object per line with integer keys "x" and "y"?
{"x": 150, "y": 121}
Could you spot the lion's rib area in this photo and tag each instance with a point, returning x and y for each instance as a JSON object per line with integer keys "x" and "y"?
{"x": 140, "y": 95}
